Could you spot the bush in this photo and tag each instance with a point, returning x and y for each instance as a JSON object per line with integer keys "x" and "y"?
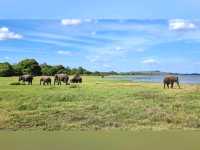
{"x": 29, "y": 66}
{"x": 6, "y": 70}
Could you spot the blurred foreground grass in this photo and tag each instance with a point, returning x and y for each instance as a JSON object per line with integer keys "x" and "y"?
{"x": 162, "y": 140}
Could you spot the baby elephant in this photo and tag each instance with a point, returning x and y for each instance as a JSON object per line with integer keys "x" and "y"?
{"x": 45, "y": 80}
{"x": 170, "y": 80}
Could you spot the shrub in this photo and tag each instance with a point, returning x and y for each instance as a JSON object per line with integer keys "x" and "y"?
{"x": 6, "y": 70}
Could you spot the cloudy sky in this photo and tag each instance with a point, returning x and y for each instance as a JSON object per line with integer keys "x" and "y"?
{"x": 75, "y": 33}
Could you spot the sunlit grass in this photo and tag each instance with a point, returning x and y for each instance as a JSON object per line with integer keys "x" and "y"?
{"x": 98, "y": 104}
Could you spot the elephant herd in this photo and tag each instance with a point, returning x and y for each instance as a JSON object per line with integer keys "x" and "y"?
{"x": 59, "y": 78}
{"x": 46, "y": 80}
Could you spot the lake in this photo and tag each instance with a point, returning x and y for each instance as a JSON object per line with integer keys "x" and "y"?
{"x": 189, "y": 79}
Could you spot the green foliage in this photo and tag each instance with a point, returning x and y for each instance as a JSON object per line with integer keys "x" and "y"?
{"x": 29, "y": 66}
{"x": 17, "y": 70}
{"x": 6, "y": 70}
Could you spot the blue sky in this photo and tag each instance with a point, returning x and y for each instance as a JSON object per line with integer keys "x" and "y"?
{"x": 137, "y": 9}
{"x": 126, "y": 36}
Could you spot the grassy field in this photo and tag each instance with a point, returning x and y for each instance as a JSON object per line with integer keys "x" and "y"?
{"x": 98, "y": 104}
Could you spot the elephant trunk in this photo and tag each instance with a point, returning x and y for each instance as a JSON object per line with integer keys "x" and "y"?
{"x": 177, "y": 81}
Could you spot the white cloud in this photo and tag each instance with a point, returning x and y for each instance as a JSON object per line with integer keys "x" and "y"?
{"x": 150, "y": 61}
{"x": 93, "y": 33}
{"x": 7, "y": 58}
{"x": 88, "y": 20}
{"x": 5, "y": 34}
{"x": 70, "y": 22}
{"x": 118, "y": 48}
{"x": 181, "y": 24}
{"x": 64, "y": 52}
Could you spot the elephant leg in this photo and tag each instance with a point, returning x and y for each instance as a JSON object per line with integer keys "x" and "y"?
{"x": 164, "y": 85}
{"x": 168, "y": 85}
{"x": 178, "y": 85}
{"x": 172, "y": 85}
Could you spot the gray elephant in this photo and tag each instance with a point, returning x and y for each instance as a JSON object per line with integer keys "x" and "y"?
{"x": 170, "y": 80}
{"x": 76, "y": 79}
{"x": 45, "y": 80}
{"x": 58, "y": 78}
{"x": 26, "y": 78}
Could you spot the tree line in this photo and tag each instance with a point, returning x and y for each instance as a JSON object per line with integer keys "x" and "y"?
{"x": 31, "y": 66}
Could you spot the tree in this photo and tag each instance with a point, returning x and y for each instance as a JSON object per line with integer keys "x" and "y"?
{"x": 29, "y": 66}
{"x": 68, "y": 70}
{"x": 17, "y": 70}
{"x": 46, "y": 69}
{"x": 6, "y": 69}
{"x": 74, "y": 71}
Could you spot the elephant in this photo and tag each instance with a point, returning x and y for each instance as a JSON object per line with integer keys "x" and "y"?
{"x": 61, "y": 78}
{"x": 26, "y": 78}
{"x": 170, "y": 80}
{"x": 45, "y": 80}
{"x": 76, "y": 79}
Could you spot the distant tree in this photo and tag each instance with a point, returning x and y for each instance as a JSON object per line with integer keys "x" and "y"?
{"x": 81, "y": 70}
{"x": 68, "y": 70}
{"x": 88, "y": 72}
{"x": 29, "y": 66}
{"x": 97, "y": 73}
{"x": 57, "y": 69}
{"x": 74, "y": 71}
{"x": 112, "y": 73}
{"x": 46, "y": 69}
{"x": 6, "y": 69}
{"x": 17, "y": 70}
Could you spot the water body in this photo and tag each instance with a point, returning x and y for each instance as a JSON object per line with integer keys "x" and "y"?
{"x": 189, "y": 79}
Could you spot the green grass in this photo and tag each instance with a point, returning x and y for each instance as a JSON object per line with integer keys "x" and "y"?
{"x": 98, "y": 104}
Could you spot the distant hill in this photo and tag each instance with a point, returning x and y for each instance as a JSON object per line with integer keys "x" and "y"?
{"x": 154, "y": 73}
{"x": 144, "y": 73}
